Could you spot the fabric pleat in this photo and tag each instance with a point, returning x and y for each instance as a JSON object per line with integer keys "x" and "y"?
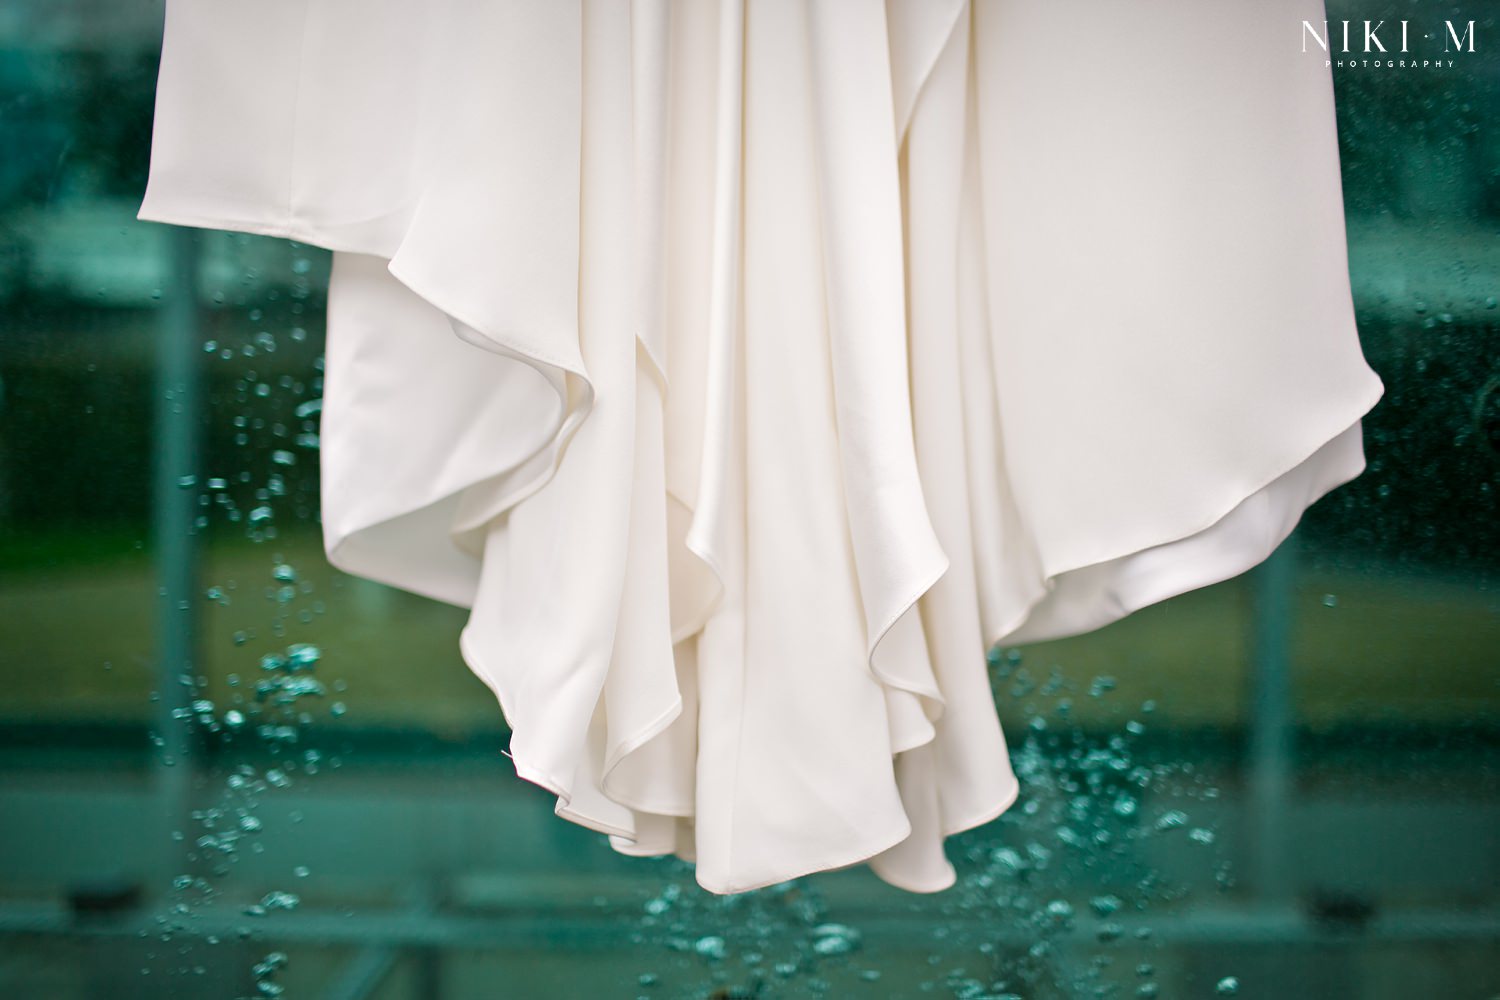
{"x": 749, "y": 367}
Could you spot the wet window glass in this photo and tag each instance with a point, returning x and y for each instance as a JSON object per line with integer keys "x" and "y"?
{"x": 227, "y": 769}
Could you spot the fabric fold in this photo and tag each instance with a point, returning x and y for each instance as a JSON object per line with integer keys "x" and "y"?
{"x": 747, "y": 369}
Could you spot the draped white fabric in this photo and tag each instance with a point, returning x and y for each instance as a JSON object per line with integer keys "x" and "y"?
{"x": 749, "y": 366}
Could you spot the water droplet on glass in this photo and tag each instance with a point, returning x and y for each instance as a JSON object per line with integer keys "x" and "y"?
{"x": 1171, "y": 820}
{"x": 835, "y": 939}
{"x": 302, "y": 656}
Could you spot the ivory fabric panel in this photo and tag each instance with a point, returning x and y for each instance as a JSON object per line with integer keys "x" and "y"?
{"x": 749, "y": 367}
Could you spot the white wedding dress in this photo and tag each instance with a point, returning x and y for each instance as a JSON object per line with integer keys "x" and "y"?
{"x": 750, "y": 366}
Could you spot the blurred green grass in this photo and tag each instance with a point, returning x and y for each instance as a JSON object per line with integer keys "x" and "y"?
{"x": 76, "y": 617}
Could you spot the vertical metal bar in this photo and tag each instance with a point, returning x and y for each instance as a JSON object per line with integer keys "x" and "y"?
{"x": 1270, "y": 748}
{"x": 430, "y": 973}
{"x": 178, "y": 418}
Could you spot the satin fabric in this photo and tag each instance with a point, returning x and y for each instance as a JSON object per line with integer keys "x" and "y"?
{"x": 748, "y": 368}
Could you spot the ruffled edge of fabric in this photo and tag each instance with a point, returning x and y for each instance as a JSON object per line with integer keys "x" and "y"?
{"x": 486, "y": 496}
{"x": 1144, "y": 574}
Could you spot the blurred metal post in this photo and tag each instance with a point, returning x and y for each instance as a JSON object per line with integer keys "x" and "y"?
{"x": 176, "y": 436}
{"x": 1270, "y": 750}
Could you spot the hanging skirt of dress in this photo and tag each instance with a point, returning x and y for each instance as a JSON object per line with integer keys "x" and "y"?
{"x": 749, "y": 367}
